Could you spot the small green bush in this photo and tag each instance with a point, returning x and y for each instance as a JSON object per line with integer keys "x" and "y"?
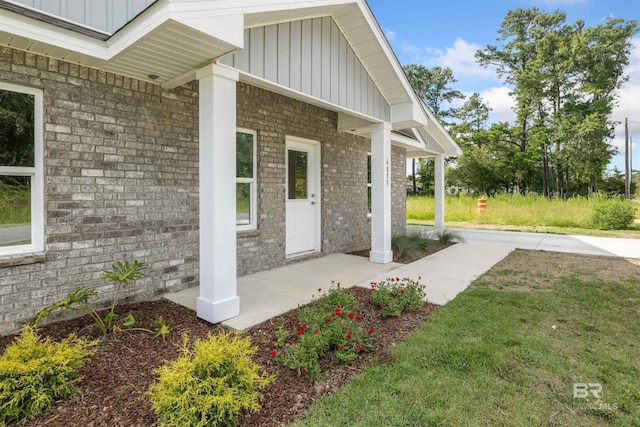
{"x": 35, "y": 371}
{"x": 394, "y": 296}
{"x": 210, "y": 384}
{"x": 404, "y": 245}
{"x": 329, "y": 323}
{"x": 614, "y": 214}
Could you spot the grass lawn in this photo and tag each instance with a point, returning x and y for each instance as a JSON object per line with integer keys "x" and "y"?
{"x": 508, "y": 351}
{"x": 517, "y": 213}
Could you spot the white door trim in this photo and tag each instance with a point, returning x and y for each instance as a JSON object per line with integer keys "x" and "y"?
{"x": 293, "y": 142}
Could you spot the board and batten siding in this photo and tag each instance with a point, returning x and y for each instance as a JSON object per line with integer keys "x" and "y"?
{"x": 313, "y": 57}
{"x": 106, "y": 16}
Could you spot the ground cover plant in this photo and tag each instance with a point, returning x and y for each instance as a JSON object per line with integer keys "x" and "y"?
{"x": 511, "y": 350}
{"x": 210, "y": 384}
{"x": 532, "y": 213}
{"x": 395, "y": 296}
{"x": 330, "y": 323}
{"x": 36, "y": 371}
{"x": 115, "y": 380}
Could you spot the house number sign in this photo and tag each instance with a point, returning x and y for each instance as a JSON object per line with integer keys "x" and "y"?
{"x": 387, "y": 172}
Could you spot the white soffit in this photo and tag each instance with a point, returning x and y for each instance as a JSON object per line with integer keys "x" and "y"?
{"x": 162, "y": 41}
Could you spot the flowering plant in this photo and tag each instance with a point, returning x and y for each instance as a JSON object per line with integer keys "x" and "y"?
{"x": 330, "y": 323}
{"x": 395, "y": 295}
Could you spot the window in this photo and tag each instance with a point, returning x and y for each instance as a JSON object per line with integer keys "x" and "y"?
{"x": 369, "y": 184}
{"x": 21, "y": 166}
{"x": 246, "y": 199}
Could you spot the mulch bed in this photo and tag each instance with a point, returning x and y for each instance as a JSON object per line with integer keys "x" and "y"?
{"x": 117, "y": 376}
{"x": 412, "y": 255}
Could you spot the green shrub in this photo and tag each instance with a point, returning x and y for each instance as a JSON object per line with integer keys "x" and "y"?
{"x": 210, "y": 384}
{"x": 404, "y": 245}
{"x": 78, "y": 300}
{"x": 394, "y": 296}
{"x": 446, "y": 236}
{"x": 35, "y": 371}
{"x": 614, "y": 214}
{"x": 329, "y": 323}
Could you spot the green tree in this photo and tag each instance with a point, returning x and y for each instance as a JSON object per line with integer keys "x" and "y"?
{"x": 565, "y": 80}
{"x": 434, "y": 87}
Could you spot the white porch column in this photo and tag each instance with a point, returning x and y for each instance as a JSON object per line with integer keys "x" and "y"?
{"x": 438, "y": 188}
{"x": 218, "y": 298}
{"x": 381, "y": 193}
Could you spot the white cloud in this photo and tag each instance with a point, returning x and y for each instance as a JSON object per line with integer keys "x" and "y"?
{"x": 460, "y": 57}
{"x": 500, "y": 102}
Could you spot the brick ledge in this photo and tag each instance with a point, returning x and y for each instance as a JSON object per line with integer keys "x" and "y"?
{"x": 22, "y": 259}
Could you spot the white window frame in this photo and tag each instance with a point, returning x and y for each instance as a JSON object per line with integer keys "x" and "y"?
{"x": 253, "y": 184}
{"x": 369, "y": 177}
{"x": 36, "y": 173}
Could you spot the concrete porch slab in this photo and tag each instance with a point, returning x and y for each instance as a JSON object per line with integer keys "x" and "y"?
{"x": 269, "y": 293}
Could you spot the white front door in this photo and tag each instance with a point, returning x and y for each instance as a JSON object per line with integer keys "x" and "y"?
{"x": 303, "y": 196}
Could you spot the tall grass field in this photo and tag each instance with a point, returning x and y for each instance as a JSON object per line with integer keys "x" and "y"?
{"x": 514, "y": 210}
{"x": 15, "y": 205}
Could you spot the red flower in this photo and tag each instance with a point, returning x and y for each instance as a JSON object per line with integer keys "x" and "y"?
{"x": 358, "y": 318}
{"x": 348, "y": 336}
{"x": 316, "y": 332}
{"x": 402, "y": 291}
{"x": 346, "y": 329}
{"x": 292, "y": 342}
{"x": 340, "y": 348}
{"x": 382, "y": 306}
{"x": 338, "y": 284}
{"x": 351, "y": 316}
{"x": 327, "y": 320}
{"x": 271, "y": 342}
{"x": 397, "y": 279}
{"x": 304, "y": 327}
{"x": 304, "y": 371}
{"x": 358, "y": 347}
{"x": 273, "y": 353}
{"x": 300, "y": 332}
{"x": 371, "y": 330}
{"x": 297, "y": 325}
{"x": 319, "y": 289}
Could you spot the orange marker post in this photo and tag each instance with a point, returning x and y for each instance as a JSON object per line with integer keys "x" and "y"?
{"x": 482, "y": 206}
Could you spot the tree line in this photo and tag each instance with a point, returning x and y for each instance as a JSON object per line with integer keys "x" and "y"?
{"x": 564, "y": 79}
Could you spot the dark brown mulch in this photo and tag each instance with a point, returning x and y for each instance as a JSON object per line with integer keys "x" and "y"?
{"x": 117, "y": 376}
{"x": 412, "y": 256}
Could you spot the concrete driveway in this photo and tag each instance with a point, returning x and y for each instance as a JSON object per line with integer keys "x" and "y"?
{"x": 585, "y": 245}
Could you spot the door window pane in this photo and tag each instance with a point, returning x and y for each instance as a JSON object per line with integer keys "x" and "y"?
{"x": 297, "y": 174}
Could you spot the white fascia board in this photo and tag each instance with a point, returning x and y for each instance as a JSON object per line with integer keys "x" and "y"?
{"x": 384, "y": 43}
{"x": 224, "y": 27}
{"x": 441, "y": 135}
{"x": 49, "y": 34}
{"x": 225, "y": 7}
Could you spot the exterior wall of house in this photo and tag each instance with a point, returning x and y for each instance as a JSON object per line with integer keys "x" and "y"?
{"x": 345, "y": 226}
{"x": 121, "y": 182}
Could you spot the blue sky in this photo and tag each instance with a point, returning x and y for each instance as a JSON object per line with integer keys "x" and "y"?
{"x": 448, "y": 33}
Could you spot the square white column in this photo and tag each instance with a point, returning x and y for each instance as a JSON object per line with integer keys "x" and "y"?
{"x": 381, "y": 193}
{"x": 438, "y": 189}
{"x": 218, "y": 298}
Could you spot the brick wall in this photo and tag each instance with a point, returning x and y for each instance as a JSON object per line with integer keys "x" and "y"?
{"x": 345, "y": 226}
{"x": 121, "y": 182}
{"x": 398, "y": 191}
